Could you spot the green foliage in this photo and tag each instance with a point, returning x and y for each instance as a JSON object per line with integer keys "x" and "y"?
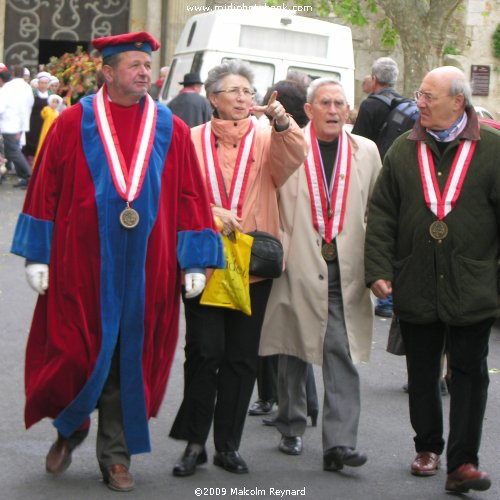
{"x": 352, "y": 11}
{"x": 390, "y": 36}
{"x": 496, "y": 42}
{"x": 451, "y": 50}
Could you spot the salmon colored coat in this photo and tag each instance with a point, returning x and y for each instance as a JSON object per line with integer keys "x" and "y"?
{"x": 276, "y": 156}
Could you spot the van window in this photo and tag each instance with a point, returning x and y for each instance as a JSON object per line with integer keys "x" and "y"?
{"x": 264, "y": 75}
{"x": 191, "y": 34}
{"x": 179, "y": 67}
{"x": 291, "y": 42}
{"x": 316, "y": 73}
{"x": 168, "y": 83}
{"x": 197, "y": 62}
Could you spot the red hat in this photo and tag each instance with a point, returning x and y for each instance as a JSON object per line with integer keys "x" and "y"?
{"x": 141, "y": 41}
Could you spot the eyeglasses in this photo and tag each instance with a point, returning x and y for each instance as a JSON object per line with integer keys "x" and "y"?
{"x": 426, "y": 96}
{"x": 327, "y": 103}
{"x": 236, "y": 91}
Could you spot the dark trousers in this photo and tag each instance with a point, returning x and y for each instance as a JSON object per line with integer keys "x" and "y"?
{"x": 267, "y": 378}
{"x": 220, "y": 369}
{"x": 13, "y": 153}
{"x": 467, "y": 348}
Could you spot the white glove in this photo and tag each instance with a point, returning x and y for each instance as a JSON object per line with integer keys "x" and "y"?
{"x": 38, "y": 277}
{"x": 194, "y": 284}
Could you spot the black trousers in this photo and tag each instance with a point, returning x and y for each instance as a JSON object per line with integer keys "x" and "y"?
{"x": 267, "y": 378}
{"x": 467, "y": 348}
{"x": 220, "y": 369}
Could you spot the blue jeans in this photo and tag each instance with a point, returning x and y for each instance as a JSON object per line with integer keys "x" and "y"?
{"x": 385, "y": 303}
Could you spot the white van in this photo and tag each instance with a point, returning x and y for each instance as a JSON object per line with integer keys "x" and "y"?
{"x": 273, "y": 41}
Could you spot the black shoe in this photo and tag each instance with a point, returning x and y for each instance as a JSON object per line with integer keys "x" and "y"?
{"x": 231, "y": 461}
{"x": 291, "y": 445}
{"x": 186, "y": 466}
{"x": 270, "y": 421}
{"x": 261, "y": 407}
{"x": 21, "y": 183}
{"x": 337, "y": 457}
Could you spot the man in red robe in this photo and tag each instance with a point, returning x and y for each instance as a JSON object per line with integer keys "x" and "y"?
{"x": 115, "y": 210}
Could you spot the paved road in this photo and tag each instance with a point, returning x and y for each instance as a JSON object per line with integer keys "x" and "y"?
{"x": 385, "y": 432}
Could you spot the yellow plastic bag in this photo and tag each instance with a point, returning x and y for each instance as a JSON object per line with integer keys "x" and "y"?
{"x": 229, "y": 287}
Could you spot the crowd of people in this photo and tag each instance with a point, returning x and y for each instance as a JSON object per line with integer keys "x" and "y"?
{"x": 27, "y": 109}
{"x": 126, "y": 213}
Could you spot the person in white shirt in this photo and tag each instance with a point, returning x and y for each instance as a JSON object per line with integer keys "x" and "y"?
{"x": 16, "y": 101}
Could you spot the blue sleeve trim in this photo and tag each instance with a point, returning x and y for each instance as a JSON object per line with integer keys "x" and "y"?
{"x": 33, "y": 239}
{"x": 200, "y": 249}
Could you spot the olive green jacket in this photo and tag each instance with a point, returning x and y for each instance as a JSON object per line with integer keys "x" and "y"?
{"x": 454, "y": 279}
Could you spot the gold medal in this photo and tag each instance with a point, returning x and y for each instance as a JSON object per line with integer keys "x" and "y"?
{"x": 129, "y": 218}
{"x": 330, "y": 213}
{"x": 329, "y": 251}
{"x": 438, "y": 230}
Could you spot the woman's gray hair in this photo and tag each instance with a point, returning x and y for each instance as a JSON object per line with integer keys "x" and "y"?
{"x": 386, "y": 71}
{"x": 319, "y": 82}
{"x": 461, "y": 86}
{"x": 231, "y": 67}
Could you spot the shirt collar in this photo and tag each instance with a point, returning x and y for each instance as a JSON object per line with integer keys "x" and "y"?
{"x": 470, "y": 132}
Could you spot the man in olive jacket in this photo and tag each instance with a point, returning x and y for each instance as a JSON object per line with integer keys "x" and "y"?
{"x": 433, "y": 241}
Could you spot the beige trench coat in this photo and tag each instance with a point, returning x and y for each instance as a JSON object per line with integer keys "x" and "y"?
{"x": 297, "y": 311}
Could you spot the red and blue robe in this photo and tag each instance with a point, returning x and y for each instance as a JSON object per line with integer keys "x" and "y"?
{"x": 108, "y": 284}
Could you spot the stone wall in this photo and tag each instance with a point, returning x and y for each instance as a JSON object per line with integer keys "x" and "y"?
{"x": 474, "y": 43}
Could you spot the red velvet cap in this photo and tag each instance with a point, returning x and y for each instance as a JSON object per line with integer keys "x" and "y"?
{"x": 141, "y": 41}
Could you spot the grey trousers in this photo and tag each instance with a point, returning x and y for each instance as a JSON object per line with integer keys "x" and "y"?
{"x": 111, "y": 446}
{"x": 341, "y": 407}
{"x": 14, "y": 154}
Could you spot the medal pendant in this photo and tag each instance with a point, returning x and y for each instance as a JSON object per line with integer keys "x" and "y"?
{"x": 438, "y": 230}
{"x": 329, "y": 251}
{"x": 129, "y": 218}
{"x": 330, "y": 213}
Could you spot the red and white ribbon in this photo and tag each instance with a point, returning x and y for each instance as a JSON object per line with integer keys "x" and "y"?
{"x": 215, "y": 180}
{"x": 127, "y": 181}
{"x": 442, "y": 205}
{"x": 320, "y": 193}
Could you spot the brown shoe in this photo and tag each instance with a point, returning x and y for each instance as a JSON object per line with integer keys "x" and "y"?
{"x": 466, "y": 478}
{"x": 118, "y": 478}
{"x": 426, "y": 463}
{"x": 59, "y": 456}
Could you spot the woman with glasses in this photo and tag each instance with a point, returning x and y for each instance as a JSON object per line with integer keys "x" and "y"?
{"x": 243, "y": 163}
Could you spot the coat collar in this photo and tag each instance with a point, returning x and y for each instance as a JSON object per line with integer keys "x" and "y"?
{"x": 470, "y": 132}
{"x": 230, "y": 130}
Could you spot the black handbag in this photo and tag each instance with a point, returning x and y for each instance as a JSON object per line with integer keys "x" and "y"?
{"x": 266, "y": 259}
{"x": 395, "y": 339}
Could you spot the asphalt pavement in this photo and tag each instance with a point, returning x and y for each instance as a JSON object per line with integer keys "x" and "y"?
{"x": 385, "y": 433}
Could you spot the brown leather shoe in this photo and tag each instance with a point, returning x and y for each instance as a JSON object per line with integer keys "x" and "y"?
{"x": 118, "y": 478}
{"x": 466, "y": 478}
{"x": 59, "y": 456}
{"x": 426, "y": 463}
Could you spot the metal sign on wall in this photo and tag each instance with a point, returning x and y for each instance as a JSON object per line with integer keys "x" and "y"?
{"x": 58, "y": 20}
{"x": 480, "y": 79}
